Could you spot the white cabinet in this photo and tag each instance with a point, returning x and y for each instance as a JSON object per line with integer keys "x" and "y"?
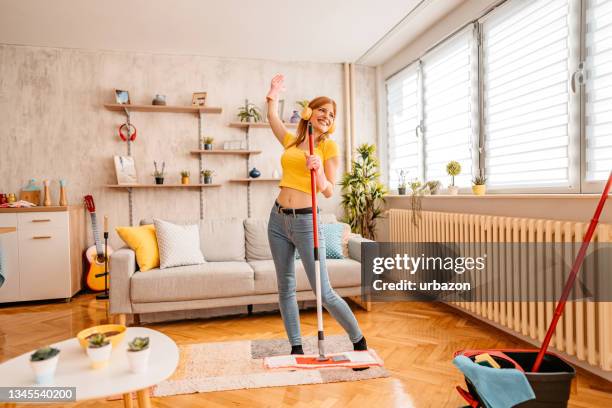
{"x": 41, "y": 257}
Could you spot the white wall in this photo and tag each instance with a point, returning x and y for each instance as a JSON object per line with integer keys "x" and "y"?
{"x": 54, "y": 125}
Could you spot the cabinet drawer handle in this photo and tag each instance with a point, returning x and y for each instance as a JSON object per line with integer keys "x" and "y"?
{"x": 45, "y": 220}
{"x": 42, "y": 237}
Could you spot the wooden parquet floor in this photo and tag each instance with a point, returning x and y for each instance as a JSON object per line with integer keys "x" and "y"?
{"x": 416, "y": 340}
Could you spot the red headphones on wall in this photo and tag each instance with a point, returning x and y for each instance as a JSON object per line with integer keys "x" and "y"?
{"x": 131, "y": 132}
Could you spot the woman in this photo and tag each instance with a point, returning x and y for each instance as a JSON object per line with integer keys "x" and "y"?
{"x": 290, "y": 224}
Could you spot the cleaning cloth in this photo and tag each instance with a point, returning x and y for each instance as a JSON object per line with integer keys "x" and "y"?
{"x": 497, "y": 388}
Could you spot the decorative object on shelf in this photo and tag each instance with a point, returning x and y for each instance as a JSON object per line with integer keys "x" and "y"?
{"x": 198, "y": 98}
{"x": 130, "y": 132}
{"x": 362, "y": 193}
{"x": 234, "y": 145}
{"x": 159, "y": 100}
{"x": 185, "y": 177}
{"x": 208, "y": 142}
{"x": 11, "y": 198}
{"x": 125, "y": 170}
{"x": 207, "y": 174}
{"x": 401, "y": 186}
{"x": 249, "y": 112}
{"x": 99, "y": 350}
{"x": 44, "y": 362}
{"x": 433, "y": 186}
{"x": 254, "y": 173}
{"x": 138, "y": 354}
{"x": 122, "y": 97}
{"x": 159, "y": 173}
{"x": 295, "y": 118}
{"x": 275, "y": 174}
{"x": 47, "y": 194}
{"x": 30, "y": 193}
{"x": 479, "y": 187}
{"x": 3, "y": 199}
{"x": 63, "y": 201}
{"x": 453, "y": 168}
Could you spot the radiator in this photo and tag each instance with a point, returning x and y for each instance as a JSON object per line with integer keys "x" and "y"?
{"x": 585, "y": 329}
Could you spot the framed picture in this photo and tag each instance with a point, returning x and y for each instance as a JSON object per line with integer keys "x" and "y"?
{"x": 126, "y": 170}
{"x": 198, "y": 99}
{"x": 281, "y": 109}
{"x": 122, "y": 97}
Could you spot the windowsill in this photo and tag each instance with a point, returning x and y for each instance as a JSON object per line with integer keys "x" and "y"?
{"x": 501, "y": 196}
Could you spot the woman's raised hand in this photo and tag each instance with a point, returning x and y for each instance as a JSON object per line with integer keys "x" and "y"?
{"x": 276, "y": 86}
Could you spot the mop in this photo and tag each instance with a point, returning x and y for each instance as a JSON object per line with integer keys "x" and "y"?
{"x": 348, "y": 359}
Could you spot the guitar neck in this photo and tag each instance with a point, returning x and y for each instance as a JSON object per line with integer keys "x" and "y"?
{"x": 94, "y": 227}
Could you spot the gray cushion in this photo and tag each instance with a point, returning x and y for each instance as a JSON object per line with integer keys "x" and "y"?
{"x": 205, "y": 281}
{"x": 342, "y": 272}
{"x": 257, "y": 244}
{"x": 222, "y": 239}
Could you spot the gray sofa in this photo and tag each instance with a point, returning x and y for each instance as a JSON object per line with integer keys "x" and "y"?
{"x": 239, "y": 271}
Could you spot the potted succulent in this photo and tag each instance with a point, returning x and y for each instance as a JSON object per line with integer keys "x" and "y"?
{"x": 249, "y": 113}
{"x": 185, "y": 177}
{"x": 453, "y": 168}
{"x": 207, "y": 142}
{"x": 159, "y": 174}
{"x": 44, "y": 363}
{"x": 401, "y": 187}
{"x": 207, "y": 174}
{"x": 479, "y": 187}
{"x": 99, "y": 350}
{"x": 138, "y": 354}
{"x": 433, "y": 186}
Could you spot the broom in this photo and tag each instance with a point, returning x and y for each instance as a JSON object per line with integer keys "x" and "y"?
{"x": 572, "y": 277}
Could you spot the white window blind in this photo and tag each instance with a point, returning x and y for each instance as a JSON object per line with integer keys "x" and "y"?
{"x": 402, "y": 121}
{"x": 447, "y": 93}
{"x": 526, "y": 99}
{"x": 599, "y": 90}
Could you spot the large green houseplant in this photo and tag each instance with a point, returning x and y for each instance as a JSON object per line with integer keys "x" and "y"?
{"x": 362, "y": 193}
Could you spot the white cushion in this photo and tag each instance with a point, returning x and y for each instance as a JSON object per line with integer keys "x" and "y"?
{"x": 178, "y": 244}
{"x": 222, "y": 239}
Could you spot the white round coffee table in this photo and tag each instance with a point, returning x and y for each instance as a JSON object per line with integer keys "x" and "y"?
{"x": 73, "y": 369}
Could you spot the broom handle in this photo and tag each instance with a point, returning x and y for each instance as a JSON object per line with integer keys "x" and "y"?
{"x": 572, "y": 277}
{"x": 315, "y": 234}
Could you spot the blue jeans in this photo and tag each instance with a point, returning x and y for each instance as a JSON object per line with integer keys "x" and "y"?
{"x": 286, "y": 233}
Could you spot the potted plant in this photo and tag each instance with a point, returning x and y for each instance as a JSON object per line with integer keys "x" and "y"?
{"x": 453, "y": 168}
{"x": 479, "y": 187}
{"x": 207, "y": 174}
{"x": 249, "y": 113}
{"x": 138, "y": 354}
{"x": 433, "y": 186}
{"x": 159, "y": 174}
{"x": 363, "y": 194}
{"x": 401, "y": 186}
{"x": 99, "y": 350}
{"x": 44, "y": 362}
{"x": 416, "y": 201}
{"x": 207, "y": 142}
{"x": 185, "y": 177}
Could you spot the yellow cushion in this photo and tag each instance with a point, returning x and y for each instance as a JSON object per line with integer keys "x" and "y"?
{"x": 144, "y": 242}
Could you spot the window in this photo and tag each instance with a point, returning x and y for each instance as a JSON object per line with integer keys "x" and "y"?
{"x": 599, "y": 90}
{"x": 447, "y": 94}
{"x": 526, "y": 98}
{"x": 402, "y": 121}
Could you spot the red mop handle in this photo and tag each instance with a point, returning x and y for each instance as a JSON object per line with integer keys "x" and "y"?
{"x": 313, "y": 194}
{"x": 572, "y": 278}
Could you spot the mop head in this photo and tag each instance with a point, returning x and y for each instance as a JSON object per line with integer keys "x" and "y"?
{"x": 348, "y": 359}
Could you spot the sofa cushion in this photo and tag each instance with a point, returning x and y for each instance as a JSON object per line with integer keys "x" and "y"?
{"x": 342, "y": 272}
{"x": 206, "y": 281}
{"x": 178, "y": 244}
{"x": 222, "y": 240}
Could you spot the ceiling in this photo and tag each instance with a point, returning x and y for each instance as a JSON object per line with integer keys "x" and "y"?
{"x": 364, "y": 31}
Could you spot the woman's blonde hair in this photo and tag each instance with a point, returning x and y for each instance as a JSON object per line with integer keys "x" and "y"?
{"x": 302, "y": 129}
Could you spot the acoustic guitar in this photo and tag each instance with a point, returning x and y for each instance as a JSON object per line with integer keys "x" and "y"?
{"x": 95, "y": 279}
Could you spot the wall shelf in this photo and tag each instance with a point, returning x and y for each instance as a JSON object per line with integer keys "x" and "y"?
{"x": 244, "y": 125}
{"x": 226, "y": 151}
{"x": 259, "y": 179}
{"x": 162, "y": 185}
{"x": 162, "y": 108}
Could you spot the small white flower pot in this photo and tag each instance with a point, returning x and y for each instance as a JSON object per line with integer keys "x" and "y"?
{"x": 453, "y": 190}
{"x": 44, "y": 370}
{"x": 139, "y": 360}
{"x": 99, "y": 356}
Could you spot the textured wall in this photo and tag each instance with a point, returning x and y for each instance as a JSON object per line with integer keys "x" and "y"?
{"x": 54, "y": 125}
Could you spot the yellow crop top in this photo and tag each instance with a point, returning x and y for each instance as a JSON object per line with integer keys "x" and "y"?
{"x": 293, "y": 161}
